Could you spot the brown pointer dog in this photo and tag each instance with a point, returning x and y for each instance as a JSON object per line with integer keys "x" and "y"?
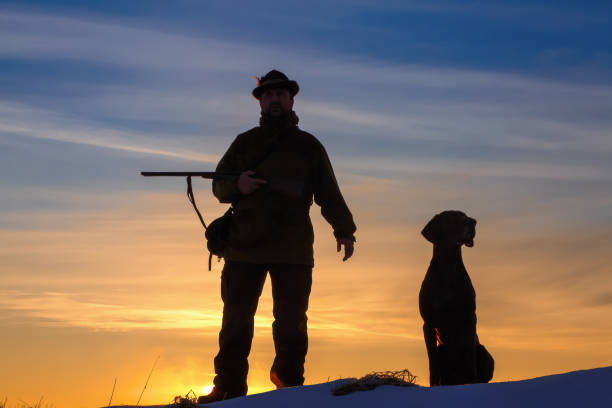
{"x": 447, "y": 303}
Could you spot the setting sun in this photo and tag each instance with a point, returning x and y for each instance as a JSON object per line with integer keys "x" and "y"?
{"x": 206, "y": 390}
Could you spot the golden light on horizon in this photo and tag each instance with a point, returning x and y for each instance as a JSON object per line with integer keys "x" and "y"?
{"x": 132, "y": 281}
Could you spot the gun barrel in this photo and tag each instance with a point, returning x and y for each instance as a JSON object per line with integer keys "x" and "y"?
{"x": 204, "y": 174}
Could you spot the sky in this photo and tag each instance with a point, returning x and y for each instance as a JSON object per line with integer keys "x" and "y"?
{"x": 499, "y": 109}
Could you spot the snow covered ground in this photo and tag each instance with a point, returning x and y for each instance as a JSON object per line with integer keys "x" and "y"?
{"x": 587, "y": 388}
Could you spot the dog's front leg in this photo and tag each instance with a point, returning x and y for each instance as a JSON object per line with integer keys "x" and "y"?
{"x": 432, "y": 353}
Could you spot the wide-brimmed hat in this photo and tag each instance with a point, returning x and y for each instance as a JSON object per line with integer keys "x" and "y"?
{"x": 275, "y": 79}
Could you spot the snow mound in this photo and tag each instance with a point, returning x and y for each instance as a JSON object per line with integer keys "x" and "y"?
{"x": 578, "y": 389}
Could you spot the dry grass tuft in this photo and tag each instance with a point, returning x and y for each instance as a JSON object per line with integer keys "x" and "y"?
{"x": 403, "y": 378}
{"x": 189, "y": 400}
{"x": 24, "y": 404}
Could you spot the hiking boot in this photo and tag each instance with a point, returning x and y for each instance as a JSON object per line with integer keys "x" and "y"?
{"x": 215, "y": 395}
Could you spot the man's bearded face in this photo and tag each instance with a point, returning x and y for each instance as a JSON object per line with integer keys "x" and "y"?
{"x": 276, "y": 102}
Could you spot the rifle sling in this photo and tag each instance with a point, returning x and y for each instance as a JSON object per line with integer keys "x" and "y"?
{"x": 191, "y": 198}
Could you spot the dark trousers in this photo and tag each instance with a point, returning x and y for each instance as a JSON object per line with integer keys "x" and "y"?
{"x": 241, "y": 286}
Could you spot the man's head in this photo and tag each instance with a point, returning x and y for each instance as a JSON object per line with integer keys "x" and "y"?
{"x": 276, "y": 101}
{"x": 275, "y": 93}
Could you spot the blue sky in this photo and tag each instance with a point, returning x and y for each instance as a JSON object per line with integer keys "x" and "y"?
{"x": 508, "y": 35}
{"x": 509, "y": 97}
{"x": 501, "y": 109}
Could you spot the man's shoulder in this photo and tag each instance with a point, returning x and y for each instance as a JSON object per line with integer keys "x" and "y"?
{"x": 308, "y": 138}
{"x": 253, "y": 131}
{"x": 245, "y": 138}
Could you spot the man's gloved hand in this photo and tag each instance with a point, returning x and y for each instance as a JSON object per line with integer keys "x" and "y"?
{"x": 248, "y": 184}
{"x": 349, "y": 247}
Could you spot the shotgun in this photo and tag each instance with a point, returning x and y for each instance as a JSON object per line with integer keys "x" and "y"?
{"x": 283, "y": 185}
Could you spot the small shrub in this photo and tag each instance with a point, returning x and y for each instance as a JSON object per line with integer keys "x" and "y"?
{"x": 403, "y": 378}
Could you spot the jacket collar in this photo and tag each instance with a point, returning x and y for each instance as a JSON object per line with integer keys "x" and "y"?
{"x": 285, "y": 121}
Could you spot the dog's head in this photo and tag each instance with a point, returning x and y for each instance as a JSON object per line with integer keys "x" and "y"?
{"x": 450, "y": 228}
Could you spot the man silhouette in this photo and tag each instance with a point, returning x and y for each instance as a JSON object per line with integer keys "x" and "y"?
{"x": 272, "y": 232}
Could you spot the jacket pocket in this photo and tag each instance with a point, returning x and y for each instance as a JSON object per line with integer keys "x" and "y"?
{"x": 251, "y": 226}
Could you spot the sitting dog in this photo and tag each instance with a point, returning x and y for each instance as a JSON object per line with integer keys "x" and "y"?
{"x": 447, "y": 302}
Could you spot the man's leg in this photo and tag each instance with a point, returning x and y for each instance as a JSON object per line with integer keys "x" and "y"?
{"x": 290, "y": 290}
{"x": 241, "y": 286}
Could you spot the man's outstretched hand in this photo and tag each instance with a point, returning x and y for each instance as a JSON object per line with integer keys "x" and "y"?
{"x": 349, "y": 247}
{"x": 248, "y": 184}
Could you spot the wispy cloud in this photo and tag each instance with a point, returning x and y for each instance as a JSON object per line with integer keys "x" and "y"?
{"x": 87, "y": 245}
{"x": 199, "y": 81}
{"x": 17, "y": 120}
{"x": 64, "y": 309}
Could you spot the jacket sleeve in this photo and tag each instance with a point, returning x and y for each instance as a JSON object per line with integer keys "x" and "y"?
{"x": 328, "y": 196}
{"x": 227, "y": 191}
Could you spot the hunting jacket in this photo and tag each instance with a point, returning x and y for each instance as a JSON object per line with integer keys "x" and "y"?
{"x": 270, "y": 227}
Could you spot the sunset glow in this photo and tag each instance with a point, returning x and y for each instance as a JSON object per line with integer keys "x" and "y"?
{"x": 501, "y": 111}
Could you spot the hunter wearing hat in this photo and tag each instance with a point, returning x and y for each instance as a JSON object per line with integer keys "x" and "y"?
{"x": 272, "y": 232}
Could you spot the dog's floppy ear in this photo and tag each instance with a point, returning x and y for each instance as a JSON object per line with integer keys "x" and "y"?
{"x": 431, "y": 232}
